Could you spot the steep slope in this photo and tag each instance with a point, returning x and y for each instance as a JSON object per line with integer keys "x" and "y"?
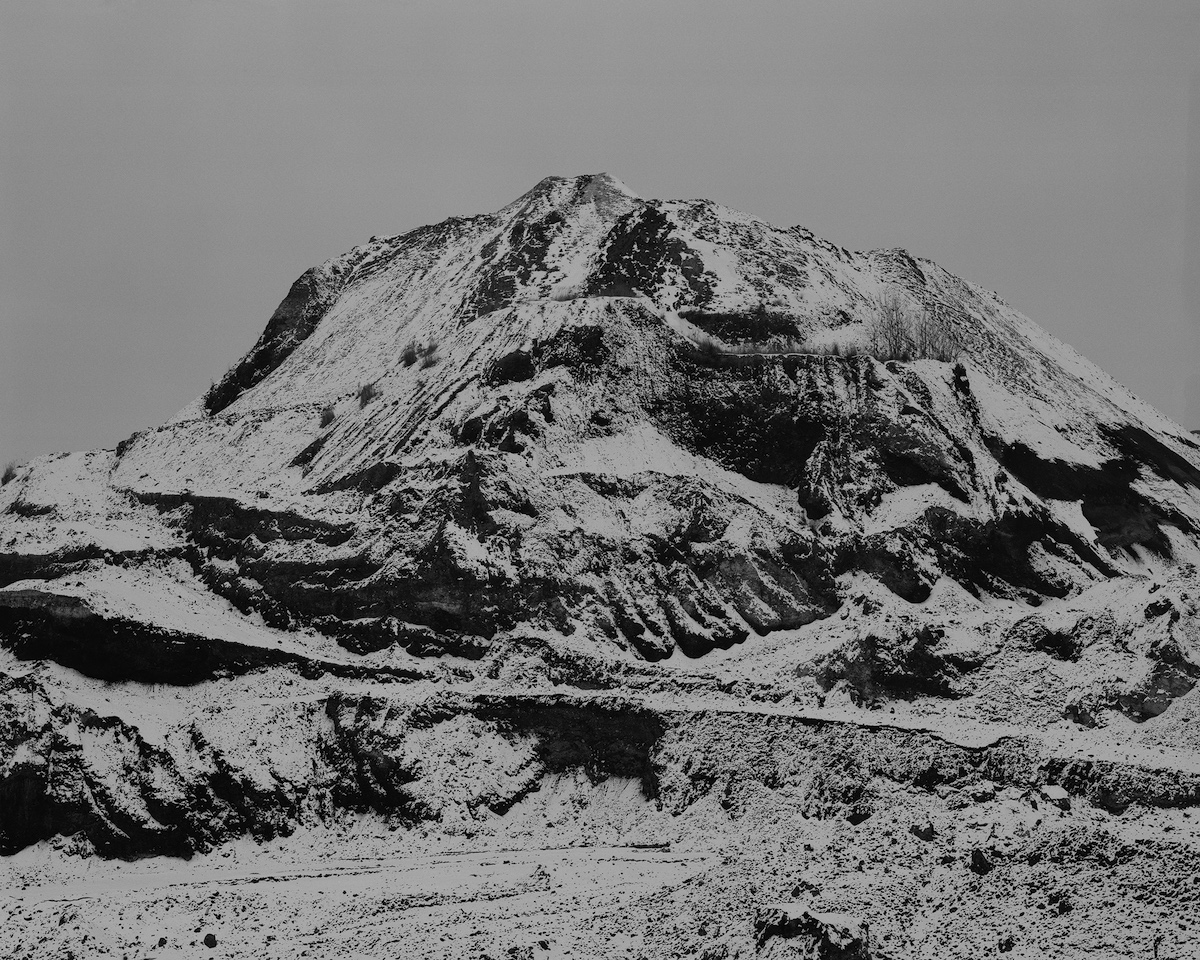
{"x": 557, "y": 488}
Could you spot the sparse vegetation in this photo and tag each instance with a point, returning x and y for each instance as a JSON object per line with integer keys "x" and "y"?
{"x": 10, "y": 471}
{"x": 889, "y": 331}
{"x": 939, "y": 337}
{"x": 901, "y": 330}
{"x": 898, "y": 329}
{"x": 366, "y": 393}
{"x": 327, "y": 415}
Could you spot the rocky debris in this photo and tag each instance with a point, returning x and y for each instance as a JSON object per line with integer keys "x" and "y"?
{"x": 983, "y": 791}
{"x": 808, "y": 933}
{"x": 442, "y": 757}
{"x": 905, "y": 662}
{"x": 1059, "y": 901}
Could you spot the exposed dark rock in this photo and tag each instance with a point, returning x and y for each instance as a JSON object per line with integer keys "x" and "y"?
{"x": 120, "y": 649}
{"x": 822, "y": 936}
{"x": 603, "y": 742}
{"x": 901, "y": 665}
{"x": 510, "y": 257}
{"x": 293, "y": 322}
{"x": 367, "y": 480}
{"x": 1158, "y": 690}
{"x": 923, "y": 831}
{"x": 1033, "y": 634}
{"x": 513, "y": 367}
{"x": 1121, "y": 515}
{"x": 756, "y": 325}
{"x": 640, "y": 248}
{"x": 980, "y": 864}
{"x": 579, "y": 347}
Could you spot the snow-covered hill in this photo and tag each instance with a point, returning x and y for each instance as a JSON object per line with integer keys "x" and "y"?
{"x": 617, "y": 488}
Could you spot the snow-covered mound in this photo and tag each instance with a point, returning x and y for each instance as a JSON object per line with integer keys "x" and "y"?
{"x": 554, "y": 488}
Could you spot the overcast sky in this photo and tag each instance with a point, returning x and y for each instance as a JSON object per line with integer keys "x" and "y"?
{"x": 168, "y": 168}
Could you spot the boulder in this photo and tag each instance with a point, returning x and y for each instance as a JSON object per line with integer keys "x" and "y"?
{"x": 923, "y": 831}
{"x": 983, "y": 791}
{"x": 782, "y": 929}
{"x": 980, "y": 864}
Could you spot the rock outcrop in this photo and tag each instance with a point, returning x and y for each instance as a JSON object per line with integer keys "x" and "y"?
{"x": 807, "y": 933}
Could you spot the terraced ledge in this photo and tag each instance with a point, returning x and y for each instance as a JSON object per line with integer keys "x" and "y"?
{"x": 39, "y": 626}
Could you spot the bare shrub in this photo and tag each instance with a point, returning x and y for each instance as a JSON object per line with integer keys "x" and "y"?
{"x": 366, "y": 393}
{"x": 890, "y": 329}
{"x": 430, "y": 359}
{"x": 327, "y": 415}
{"x": 938, "y": 337}
{"x": 409, "y": 353}
{"x": 10, "y": 471}
{"x": 902, "y": 330}
{"x": 899, "y": 328}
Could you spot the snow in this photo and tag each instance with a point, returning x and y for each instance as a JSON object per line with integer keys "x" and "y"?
{"x": 904, "y": 505}
{"x": 645, "y": 450}
{"x": 1026, "y": 419}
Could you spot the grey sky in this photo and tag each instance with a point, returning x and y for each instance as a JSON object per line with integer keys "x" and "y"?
{"x": 168, "y": 168}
